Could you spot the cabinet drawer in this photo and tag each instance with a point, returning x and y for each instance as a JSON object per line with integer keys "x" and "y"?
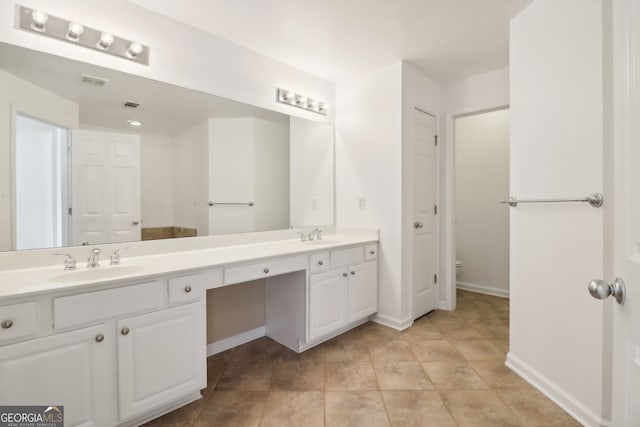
{"x": 263, "y": 269}
{"x": 344, "y": 257}
{"x": 186, "y": 288}
{"x": 319, "y": 262}
{"x": 370, "y": 252}
{"x": 18, "y": 320}
{"x": 90, "y": 307}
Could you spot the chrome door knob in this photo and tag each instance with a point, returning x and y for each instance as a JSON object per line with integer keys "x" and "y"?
{"x": 136, "y": 222}
{"x": 124, "y": 331}
{"x": 99, "y": 338}
{"x": 600, "y": 289}
{"x": 6, "y": 324}
{"x": 418, "y": 224}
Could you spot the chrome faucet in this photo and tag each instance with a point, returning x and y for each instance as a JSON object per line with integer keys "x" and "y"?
{"x": 94, "y": 258}
{"x": 303, "y": 236}
{"x": 315, "y": 234}
{"x": 69, "y": 261}
{"x": 115, "y": 257}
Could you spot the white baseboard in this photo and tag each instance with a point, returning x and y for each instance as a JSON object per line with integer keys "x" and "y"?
{"x": 399, "y": 325}
{"x": 571, "y": 405}
{"x": 483, "y": 289}
{"x": 236, "y": 340}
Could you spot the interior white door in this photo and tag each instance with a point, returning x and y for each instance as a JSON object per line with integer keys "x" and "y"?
{"x": 425, "y": 255}
{"x": 105, "y": 187}
{"x": 626, "y": 317}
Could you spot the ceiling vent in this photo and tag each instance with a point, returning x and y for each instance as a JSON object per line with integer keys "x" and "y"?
{"x": 97, "y": 81}
{"x": 131, "y": 104}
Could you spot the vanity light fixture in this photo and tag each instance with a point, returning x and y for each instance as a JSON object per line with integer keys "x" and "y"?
{"x": 296, "y": 100}
{"x": 135, "y": 123}
{"x": 40, "y": 22}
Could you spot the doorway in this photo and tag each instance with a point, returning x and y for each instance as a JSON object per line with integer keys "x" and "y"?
{"x": 481, "y": 222}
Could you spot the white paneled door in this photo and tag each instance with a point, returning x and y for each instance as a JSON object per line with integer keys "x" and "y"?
{"x": 425, "y": 254}
{"x": 105, "y": 187}
{"x": 626, "y": 225}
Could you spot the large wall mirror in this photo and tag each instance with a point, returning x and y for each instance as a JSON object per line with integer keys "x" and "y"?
{"x": 91, "y": 155}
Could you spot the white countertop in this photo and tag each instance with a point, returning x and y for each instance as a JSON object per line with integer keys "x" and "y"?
{"x": 15, "y": 283}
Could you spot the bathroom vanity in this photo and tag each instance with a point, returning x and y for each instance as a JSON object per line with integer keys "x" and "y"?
{"x": 122, "y": 344}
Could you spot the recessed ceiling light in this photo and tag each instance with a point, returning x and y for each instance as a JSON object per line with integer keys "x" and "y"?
{"x": 135, "y": 123}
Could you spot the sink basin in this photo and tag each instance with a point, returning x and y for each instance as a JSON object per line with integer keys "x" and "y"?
{"x": 106, "y": 272}
{"x": 327, "y": 242}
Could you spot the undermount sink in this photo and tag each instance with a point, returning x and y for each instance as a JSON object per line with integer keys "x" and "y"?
{"x": 327, "y": 242}
{"x": 99, "y": 273}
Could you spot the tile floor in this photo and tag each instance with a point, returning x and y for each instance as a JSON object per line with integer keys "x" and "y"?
{"x": 446, "y": 370}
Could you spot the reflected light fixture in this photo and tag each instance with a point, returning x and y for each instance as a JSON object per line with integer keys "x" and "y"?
{"x": 296, "y": 100}
{"x": 135, "y": 123}
{"x": 39, "y": 22}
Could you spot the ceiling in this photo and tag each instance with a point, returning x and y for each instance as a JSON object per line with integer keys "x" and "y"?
{"x": 336, "y": 39}
{"x": 103, "y": 106}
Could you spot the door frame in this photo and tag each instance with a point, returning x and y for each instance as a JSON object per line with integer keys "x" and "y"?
{"x": 448, "y": 188}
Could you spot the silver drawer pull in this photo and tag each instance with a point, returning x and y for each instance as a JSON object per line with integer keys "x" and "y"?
{"x": 344, "y": 274}
{"x": 320, "y": 262}
{"x": 99, "y": 338}
{"x": 353, "y": 273}
{"x": 266, "y": 271}
{"x": 125, "y": 331}
{"x": 6, "y": 324}
{"x": 187, "y": 289}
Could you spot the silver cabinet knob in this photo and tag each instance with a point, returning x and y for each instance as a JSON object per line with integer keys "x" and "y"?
{"x": 372, "y": 252}
{"x": 353, "y": 273}
{"x": 266, "y": 271}
{"x": 600, "y": 289}
{"x": 136, "y": 222}
{"x": 187, "y": 289}
{"x": 99, "y": 338}
{"x": 418, "y": 224}
{"x": 344, "y": 274}
{"x": 124, "y": 331}
{"x": 320, "y": 262}
{"x": 6, "y": 324}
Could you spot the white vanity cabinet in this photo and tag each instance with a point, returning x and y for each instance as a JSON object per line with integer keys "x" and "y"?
{"x": 345, "y": 294}
{"x": 74, "y": 369}
{"x": 161, "y": 356}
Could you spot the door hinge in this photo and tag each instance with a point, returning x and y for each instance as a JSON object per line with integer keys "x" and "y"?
{"x": 435, "y": 209}
{"x": 435, "y": 140}
{"x": 70, "y": 211}
{"x": 435, "y": 278}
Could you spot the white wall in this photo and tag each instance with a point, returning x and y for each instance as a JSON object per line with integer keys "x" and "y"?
{"x": 418, "y": 91}
{"x": 19, "y": 96}
{"x": 480, "y": 93}
{"x": 191, "y": 178}
{"x": 369, "y": 165}
{"x": 482, "y": 179}
{"x": 556, "y": 327}
{"x": 180, "y": 54}
{"x": 156, "y": 180}
{"x": 312, "y": 169}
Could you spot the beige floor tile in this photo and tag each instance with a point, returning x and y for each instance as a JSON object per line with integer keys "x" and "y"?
{"x": 294, "y": 409}
{"x": 342, "y": 350}
{"x": 478, "y": 350}
{"x": 183, "y": 417}
{"x": 298, "y": 376}
{"x": 503, "y": 345}
{"x": 421, "y": 332}
{"x": 456, "y": 332}
{"x": 416, "y": 409}
{"x": 534, "y": 409}
{"x": 215, "y": 370}
{"x": 402, "y": 376}
{"x": 497, "y": 375}
{"x": 372, "y": 331}
{"x": 355, "y": 409}
{"x": 396, "y": 350}
{"x": 434, "y": 350}
{"x": 478, "y": 408}
{"x": 350, "y": 376}
{"x": 261, "y": 349}
{"x": 248, "y": 376}
{"x": 453, "y": 376}
{"x": 232, "y": 409}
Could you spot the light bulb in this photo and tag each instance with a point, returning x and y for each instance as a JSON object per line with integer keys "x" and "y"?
{"x": 105, "y": 41}
{"x": 135, "y": 49}
{"x": 301, "y": 100}
{"x": 136, "y": 123}
{"x": 74, "y": 31}
{"x": 38, "y": 20}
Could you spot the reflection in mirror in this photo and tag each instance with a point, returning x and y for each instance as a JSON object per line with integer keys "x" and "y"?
{"x": 76, "y": 169}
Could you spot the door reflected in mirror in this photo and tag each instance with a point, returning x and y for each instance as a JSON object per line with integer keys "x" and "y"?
{"x": 77, "y": 172}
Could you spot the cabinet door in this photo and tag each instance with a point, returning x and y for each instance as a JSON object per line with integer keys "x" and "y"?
{"x": 161, "y": 357}
{"x": 327, "y": 303}
{"x": 363, "y": 290}
{"x": 75, "y": 369}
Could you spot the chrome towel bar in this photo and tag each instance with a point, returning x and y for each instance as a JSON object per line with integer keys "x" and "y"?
{"x": 249, "y": 203}
{"x": 594, "y": 199}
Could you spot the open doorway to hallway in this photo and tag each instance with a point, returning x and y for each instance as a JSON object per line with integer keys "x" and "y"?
{"x": 482, "y": 223}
